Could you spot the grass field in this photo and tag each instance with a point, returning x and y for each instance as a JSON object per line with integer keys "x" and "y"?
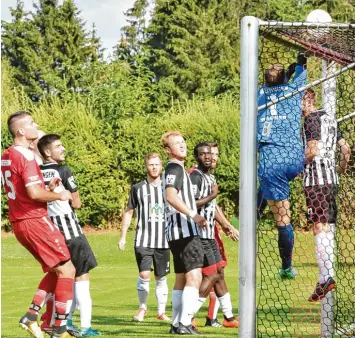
{"x": 283, "y": 310}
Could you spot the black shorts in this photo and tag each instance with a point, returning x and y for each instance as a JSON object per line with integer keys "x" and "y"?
{"x": 212, "y": 254}
{"x": 81, "y": 255}
{"x": 187, "y": 254}
{"x": 160, "y": 258}
{"x": 321, "y": 203}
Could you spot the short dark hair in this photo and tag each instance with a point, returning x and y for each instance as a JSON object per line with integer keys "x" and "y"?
{"x": 275, "y": 75}
{"x": 213, "y": 144}
{"x": 12, "y": 118}
{"x": 45, "y": 141}
{"x": 201, "y": 144}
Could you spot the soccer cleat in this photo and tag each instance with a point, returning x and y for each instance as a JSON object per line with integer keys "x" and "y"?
{"x": 213, "y": 322}
{"x": 46, "y": 328}
{"x": 74, "y": 331}
{"x": 187, "y": 330}
{"x": 31, "y": 326}
{"x": 232, "y": 322}
{"x": 173, "y": 329}
{"x": 322, "y": 289}
{"x": 163, "y": 317}
{"x": 71, "y": 326}
{"x": 289, "y": 273}
{"x": 89, "y": 332}
{"x": 140, "y": 314}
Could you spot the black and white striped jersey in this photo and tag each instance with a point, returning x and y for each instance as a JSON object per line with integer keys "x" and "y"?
{"x": 61, "y": 212}
{"x": 202, "y": 187}
{"x": 178, "y": 225}
{"x": 323, "y": 128}
{"x": 147, "y": 199}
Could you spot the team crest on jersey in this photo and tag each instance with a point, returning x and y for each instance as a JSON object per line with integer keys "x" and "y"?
{"x": 170, "y": 179}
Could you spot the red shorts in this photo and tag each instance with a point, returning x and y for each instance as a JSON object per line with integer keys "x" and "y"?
{"x": 43, "y": 240}
{"x": 219, "y": 241}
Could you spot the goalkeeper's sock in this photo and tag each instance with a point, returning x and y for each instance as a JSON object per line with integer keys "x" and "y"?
{"x": 286, "y": 242}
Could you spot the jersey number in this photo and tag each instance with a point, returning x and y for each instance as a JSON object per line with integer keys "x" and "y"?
{"x": 6, "y": 180}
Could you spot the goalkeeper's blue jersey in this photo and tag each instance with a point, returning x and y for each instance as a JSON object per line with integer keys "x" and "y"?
{"x": 280, "y": 124}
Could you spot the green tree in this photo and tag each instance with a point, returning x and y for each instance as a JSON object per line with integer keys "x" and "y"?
{"x": 50, "y": 48}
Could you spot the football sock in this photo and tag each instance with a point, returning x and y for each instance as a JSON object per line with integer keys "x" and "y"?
{"x": 83, "y": 298}
{"x": 213, "y": 306}
{"x": 63, "y": 300}
{"x": 46, "y": 286}
{"x": 286, "y": 241}
{"x": 199, "y": 304}
{"x": 161, "y": 294}
{"x": 325, "y": 254}
{"x": 188, "y": 302}
{"x": 176, "y": 298}
{"x": 143, "y": 291}
{"x": 226, "y": 305}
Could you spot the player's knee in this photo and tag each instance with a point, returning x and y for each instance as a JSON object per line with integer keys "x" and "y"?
{"x": 144, "y": 274}
{"x": 66, "y": 270}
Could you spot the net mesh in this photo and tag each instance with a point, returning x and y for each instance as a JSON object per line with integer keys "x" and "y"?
{"x": 320, "y": 204}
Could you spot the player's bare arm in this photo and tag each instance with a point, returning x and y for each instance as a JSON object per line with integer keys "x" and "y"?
{"x": 36, "y": 193}
{"x": 126, "y": 221}
{"x": 76, "y": 201}
{"x": 227, "y": 228}
{"x": 203, "y": 201}
{"x": 176, "y": 202}
{"x": 345, "y": 153}
{"x": 312, "y": 150}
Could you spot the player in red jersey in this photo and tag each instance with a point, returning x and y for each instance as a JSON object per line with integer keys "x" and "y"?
{"x": 27, "y": 199}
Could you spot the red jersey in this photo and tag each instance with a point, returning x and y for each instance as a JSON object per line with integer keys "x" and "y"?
{"x": 19, "y": 170}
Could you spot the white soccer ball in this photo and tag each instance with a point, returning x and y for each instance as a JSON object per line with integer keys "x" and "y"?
{"x": 318, "y": 16}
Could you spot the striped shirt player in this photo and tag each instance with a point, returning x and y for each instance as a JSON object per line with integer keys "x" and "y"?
{"x": 147, "y": 199}
{"x": 202, "y": 186}
{"x": 61, "y": 213}
{"x": 178, "y": 225}
{"x": 320, "y": 177}
{"x": 150, "y": 245}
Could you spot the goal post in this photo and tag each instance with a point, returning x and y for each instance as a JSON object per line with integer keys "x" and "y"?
{"x": 267, "y": 306}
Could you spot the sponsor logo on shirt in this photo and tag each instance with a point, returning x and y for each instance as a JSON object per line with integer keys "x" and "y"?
{"x": 33, "y": 178}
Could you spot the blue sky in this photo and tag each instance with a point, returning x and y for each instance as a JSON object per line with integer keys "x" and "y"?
{"x": 106, "y": 14}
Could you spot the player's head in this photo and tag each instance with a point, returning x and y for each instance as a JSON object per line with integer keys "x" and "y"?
{"x": 21, "y": 125}
{"x": 202, "y": 152}
{"x": 214, "y": 154}
{"x": 153, "y": 165}
{"x": 275, "y": 75}
{"x": 308, "y": 101}
{"x": 51, "y": 148}
{"x": 174, "y": 144}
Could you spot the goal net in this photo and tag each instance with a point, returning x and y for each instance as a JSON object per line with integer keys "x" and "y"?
{"x": 298, "y": 147}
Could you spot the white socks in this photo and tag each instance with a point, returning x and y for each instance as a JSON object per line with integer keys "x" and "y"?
{"x": 84, "y": 302}
{"x": 226, "y": 305}
{"x": 198, "y": 304}
{"x": 325, "y": 254}
{"x": 176, "y": 298}
{"x": 143, "y": 291}
{"x": 161, "y": 294}
{"x": 189, "y": 300}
